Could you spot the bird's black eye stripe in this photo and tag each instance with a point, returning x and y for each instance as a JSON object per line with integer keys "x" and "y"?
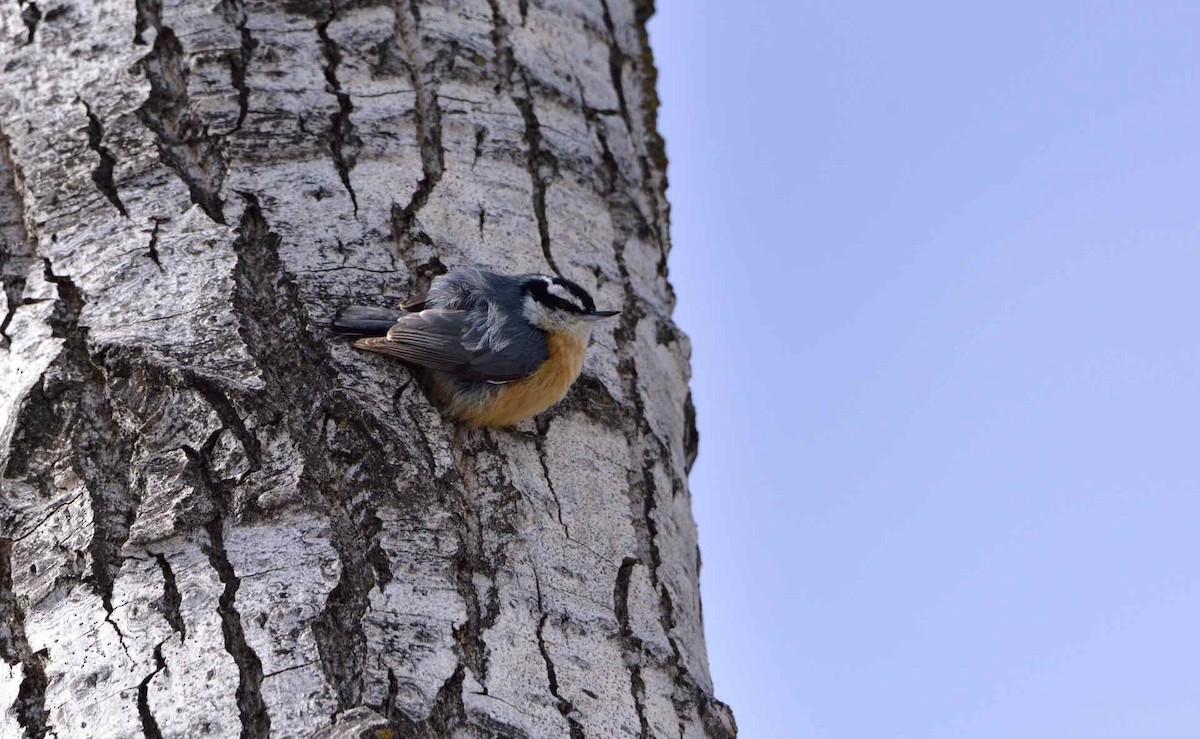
{"x": 540, "y": 291}
{"x": 584, "y": 299}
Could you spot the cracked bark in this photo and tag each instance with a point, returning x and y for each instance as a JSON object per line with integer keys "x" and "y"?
{"x": 252, "y": 710}
{"x": 102, "y": 175}
{"x": 203, "y": 494}
{"x": 234, "y": 12}
{"x": 182, "y": 138}
{"x": 149, "y": 725}
{"x": 30, "y": 704}
{"x": 632, "y": 645}
{"x": 343, "y": 143}
{"x": 171, "y": 597}
{"x": 407, "y": 35}
{"x": 535, "y": 160}
{"x": 564, "y": 705}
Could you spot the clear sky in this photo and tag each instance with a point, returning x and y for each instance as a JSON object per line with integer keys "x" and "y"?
{"x": 940, "y": 264}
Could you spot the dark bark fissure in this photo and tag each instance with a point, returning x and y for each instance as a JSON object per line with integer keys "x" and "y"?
{"x": 643, "y": 490}
{"x": 535, "y": 156}
{"x": 11, "y": 285}
{"x": 472, "y": 557}
{"x": 252, "y": 709}
{"x": 469, "y": 637}
{"x": 480, "y": 137}
{"x": 231, "y": 420}
{"x": 389, "y": 702}
{"x": 447, "y": 715}
{"x": 152, "y": 248}
{"x": 267, "y": 302}
{"x": 31, "y": 15}
{"x": 543, "y": 428}
{"x": 343, "y": 142}
{"x": 171, "y": 597}
{"x": 102, "y": 175}
{"x": 632, "y": 645}
{"x": 429, "y": 120}
{"x": 341, "y": 641}
{"x": 448, "y": 711}
{"x": 535, "y": 159}
{"x": 183, "y": 140}
{"x": 608, "y": 162}
{"x": 5, "y": 339}
{"x": 289, "y": 668}
{"x": 656, "y": 148}
{"x": 616, "y": 66}
{"x": 147, "y": 14}
{"x": 381, "y": 563}
{"x": 235, "y": 13}
{"x": 30, "y": 706}
{"x": 617, "y": 60}
{"x": 628, "y": 221}
{"x": 503, "y": 57}
{"x": 66, "y": 416}
{"x": 485, "y": 501}
{"x": 565, "y": 707}
{"x": 16, "y": 252}
{"x": 345, "y": 457}
{"x": 99, "y": 447}
{"x": 691, "y": 437}
{"x": 149, "y": 725}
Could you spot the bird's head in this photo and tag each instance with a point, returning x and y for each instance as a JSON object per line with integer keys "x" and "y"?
{"x": 556, "y": 304}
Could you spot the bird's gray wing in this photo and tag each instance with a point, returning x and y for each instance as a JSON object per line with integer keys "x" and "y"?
{"x": 447, "y": 340}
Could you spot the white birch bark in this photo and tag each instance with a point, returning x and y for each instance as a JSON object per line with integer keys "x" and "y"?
{"x": 217, "y": 519}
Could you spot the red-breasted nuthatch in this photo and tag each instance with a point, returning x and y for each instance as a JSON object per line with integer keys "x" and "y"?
{"x": 497, "y": 348}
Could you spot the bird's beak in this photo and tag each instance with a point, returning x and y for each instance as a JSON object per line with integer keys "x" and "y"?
{"x": 596, "y": 315}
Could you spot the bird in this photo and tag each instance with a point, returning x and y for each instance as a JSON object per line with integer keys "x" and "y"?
{"x": 495, "y": 349}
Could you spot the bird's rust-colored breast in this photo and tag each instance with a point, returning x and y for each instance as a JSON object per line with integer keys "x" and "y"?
{"x": 537, "y": 392}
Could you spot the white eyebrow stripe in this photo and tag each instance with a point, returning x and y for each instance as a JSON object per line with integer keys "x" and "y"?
{"x": 563, "y": 293}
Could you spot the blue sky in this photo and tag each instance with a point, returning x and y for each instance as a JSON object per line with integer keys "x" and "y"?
{"x": 939, "y": 264}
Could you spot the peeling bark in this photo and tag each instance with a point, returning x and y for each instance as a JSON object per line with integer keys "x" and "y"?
{"x": 203, "y": 494}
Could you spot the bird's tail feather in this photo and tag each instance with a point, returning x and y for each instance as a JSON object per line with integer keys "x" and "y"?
{"x": 363, "y": 320}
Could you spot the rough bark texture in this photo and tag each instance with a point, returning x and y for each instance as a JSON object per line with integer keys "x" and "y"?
{"x": 216, "y": 519}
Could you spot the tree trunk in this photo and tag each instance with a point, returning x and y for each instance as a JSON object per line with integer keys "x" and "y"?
{"x": 217, "y": 519}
